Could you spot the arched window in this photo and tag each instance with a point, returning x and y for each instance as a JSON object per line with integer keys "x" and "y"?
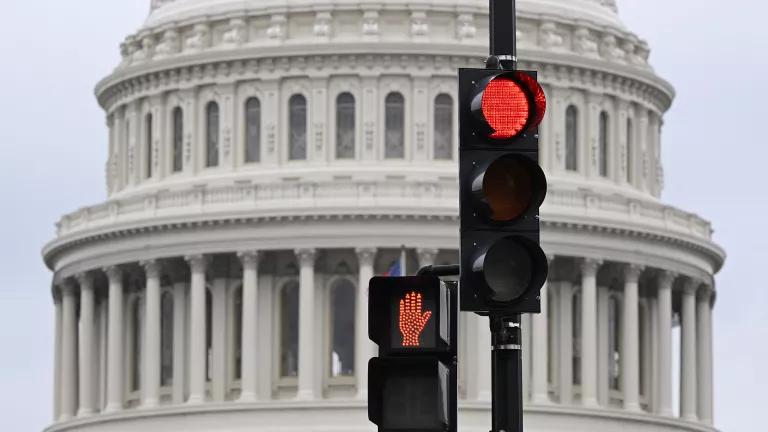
{"x": 443, "y": 127}
{"x": 603, "y": 141}
{"x": 166, "y": 339}
{"x": 178, "y": 139}
{"x": 571, "y": 138}
{"x": 630, "y": 146}
{"x": 136, "y": 337}
{"x": 297, "y": 122}
{"x": 345, "y": 126}
{"x": 614, "y": 343}
{"x": 576, "y": 337}
{"x": 289, "y": 330}
{"x": 148, "y": 143}
{"x": 237, "y": 333}
{"x": 394, "y": 126}
{"x": 342, "y": 317}
{"x": 252, "y": 130}
{"x": 208, "y": 335}
{"x": 212, "y": 134}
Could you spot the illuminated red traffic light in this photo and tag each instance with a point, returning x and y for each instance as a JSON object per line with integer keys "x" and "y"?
{"x": 412, "y": 320}
{"x": 506, "y": 108}
{"x": 509, "y": 104}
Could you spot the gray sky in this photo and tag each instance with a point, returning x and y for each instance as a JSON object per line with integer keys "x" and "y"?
{"x": 54, "y": 141}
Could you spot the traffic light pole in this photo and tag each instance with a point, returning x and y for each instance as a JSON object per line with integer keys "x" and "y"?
{"x": 506, "y": 358}
{"x": 506, "y": 367}
{"x": 503, "y": 32}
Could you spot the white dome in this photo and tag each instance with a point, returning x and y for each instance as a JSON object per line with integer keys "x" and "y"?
{"x": 602, "y": 12}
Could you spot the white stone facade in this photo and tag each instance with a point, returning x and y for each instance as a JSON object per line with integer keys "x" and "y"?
{"x": 266, "y": 158}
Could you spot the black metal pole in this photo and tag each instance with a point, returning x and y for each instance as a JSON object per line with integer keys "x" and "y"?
{"x": 503, "y": 32}
{"x": 506, "y": 368}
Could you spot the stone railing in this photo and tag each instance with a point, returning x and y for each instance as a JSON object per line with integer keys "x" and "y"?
{"x": 309, "y": 199}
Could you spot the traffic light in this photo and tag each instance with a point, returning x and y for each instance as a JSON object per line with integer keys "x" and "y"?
{"x": 501, "y": 189}
{"x": 412, "y": 384}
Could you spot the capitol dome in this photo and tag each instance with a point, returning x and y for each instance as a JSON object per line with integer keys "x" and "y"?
{"x": 267, "y": 158}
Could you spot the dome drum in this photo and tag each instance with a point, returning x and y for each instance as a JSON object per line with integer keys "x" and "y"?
{"x": 266, "y": 159}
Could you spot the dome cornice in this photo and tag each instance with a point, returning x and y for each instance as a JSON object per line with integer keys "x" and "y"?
{"x": 242, "y": 205}
{"x": 267, "y": 35}
{"x": 230, "y": 66}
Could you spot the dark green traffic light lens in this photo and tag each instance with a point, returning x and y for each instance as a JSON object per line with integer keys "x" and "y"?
{"x": 508, "y": 269}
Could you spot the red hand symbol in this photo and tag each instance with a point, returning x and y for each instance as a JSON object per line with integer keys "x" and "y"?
{"x": 412, "y": 320}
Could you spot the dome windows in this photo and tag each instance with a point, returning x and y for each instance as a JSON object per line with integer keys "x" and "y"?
{"x": 603, "y": 142}
{"x": 252, "y": 130}
{"x": 443, "y": 127}
{"x": 212, "y": 135}
{"x": 178, "y": 140}
{"x": 297, "y": 128}
{"x": 571, "y": 138}
{"x": 345, "y": 126}
{"x": 394, "y": 126}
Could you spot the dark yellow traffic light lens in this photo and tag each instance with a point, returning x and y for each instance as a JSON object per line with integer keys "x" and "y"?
{"x": 508, "y": 269}
{"x": 511, "y": 186}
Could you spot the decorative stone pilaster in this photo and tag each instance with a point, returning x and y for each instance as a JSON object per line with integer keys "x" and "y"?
{"x": 665, "y": 281}
{"x": 540, "y": 347}
{"x": 704, "y": 354}
{"x": 630, "y": 350}
{"x": 87, "y": 343}
{"x": 688, "y": 375}
{"x": 115, "y": 340}
{"x": 364, "y": 348}
{"x": 150, "y": 389}
{"x": 249, "y": 345}
{"x": 68, "y": 398}
{"x": 307, "y": 355}
{"x": 197, "y": 323}
{"x": 57, "y": 354}
{"x": 589, "y": 268}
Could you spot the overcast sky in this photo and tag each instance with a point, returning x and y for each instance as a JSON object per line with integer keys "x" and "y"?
{"x": 54, "y": 145}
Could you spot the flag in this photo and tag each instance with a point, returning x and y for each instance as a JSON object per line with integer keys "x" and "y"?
{"x": 394, "y": 269}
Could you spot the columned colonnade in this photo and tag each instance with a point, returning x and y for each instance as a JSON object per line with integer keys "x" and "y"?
{"x": 603, "y": 339}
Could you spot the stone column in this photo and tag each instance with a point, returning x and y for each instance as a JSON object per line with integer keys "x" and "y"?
{"x": 688, "y": 374}
{"x": 115, "y": 339}
{"x": 249, "y": 345}
{"x": 197, "y": 326}
{"x": 630, "y": 349}
{"x": 364, "y": 348}
{"x": 704, "y": 356}
{"x": 150, "y": 389}
{"x": 180, "y": 352}
{"x": 307, "y": 355}
{"x": 57, "y": 354}
{"x": 666, "y": 279}
{"x": 426, "y": 257}
{"x": 87, "y": 344}
{"x": 589, "y": 268}
{"x": 566, "y": 343}
{"x": 69, "y": 352}
{"x": 540, "y": 384}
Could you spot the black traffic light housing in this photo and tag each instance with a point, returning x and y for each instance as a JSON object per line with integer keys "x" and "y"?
{"x": 501, "y": 189}
{"x": 412, "y": 383}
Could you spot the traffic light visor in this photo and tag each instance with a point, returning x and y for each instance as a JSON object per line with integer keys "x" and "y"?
{"x": 510, "y": 187}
